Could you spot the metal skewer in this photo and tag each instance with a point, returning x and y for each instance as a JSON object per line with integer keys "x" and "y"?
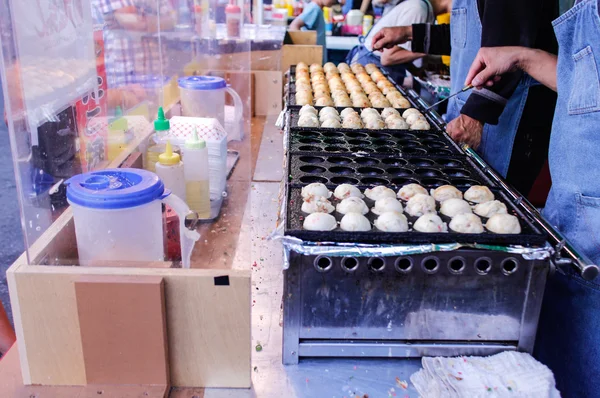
{"x": 466, "y": 88}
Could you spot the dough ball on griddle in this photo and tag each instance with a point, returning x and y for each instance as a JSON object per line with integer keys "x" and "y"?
{"x": 420, "y": 204}
{"x": 410, "y": 190}
{"x": 453, "y": 207}
{"x": 344, "y": 191}
{"x": 392, "y": 221}
{"x": 352, "y": 204}
{"x": 320, "y": 222}
{"x": 420, "y": 125}
{"x": 308, "y": 120}
{"x": 446, "y": 192}
{"x": 355, "y": 222}
{"x": 315, "y": 189}
{"x": 317, "y": 204}
{"x": 488, "y": 209}
{"x": 479, "y": 194}
{"x": 379, "y": 192}
{"x": 387, "y": 204}
{"x": 430, "y": 223}
{"x": 503, "y": 224}
{"x": 466, "y": 224}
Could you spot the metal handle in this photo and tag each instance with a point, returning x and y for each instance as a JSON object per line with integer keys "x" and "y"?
{"x": 584, "y": 266}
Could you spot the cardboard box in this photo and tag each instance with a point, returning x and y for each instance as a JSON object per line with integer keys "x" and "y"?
{"x": 300, "y": 46}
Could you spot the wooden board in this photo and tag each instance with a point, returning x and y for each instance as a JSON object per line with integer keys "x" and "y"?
{"x": 208, "y": 324}
{"x": 268, "y": 93}
{"x": 11, "y": 385}
{"x": 295, "y": 53}
{"x": 123, "y": 329}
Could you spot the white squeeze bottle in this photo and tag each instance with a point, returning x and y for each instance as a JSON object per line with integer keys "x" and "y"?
{"x": 170, "y": 170}
{"x": 196, "y": 175}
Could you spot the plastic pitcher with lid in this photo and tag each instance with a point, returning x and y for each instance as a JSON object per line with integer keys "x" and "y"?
{"x": 204, "y": 96}
{"x": 118, "y": 217}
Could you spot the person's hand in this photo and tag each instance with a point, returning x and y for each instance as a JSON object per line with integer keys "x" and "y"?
{"x": 391, "y": 36}
{"x": 466, "y": 129}
{"x": 490, "y": 63}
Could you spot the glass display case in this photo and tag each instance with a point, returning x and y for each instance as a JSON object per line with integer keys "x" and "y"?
{"x": 83, "y": 83}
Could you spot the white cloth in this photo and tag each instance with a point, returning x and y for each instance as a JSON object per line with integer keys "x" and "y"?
{"x": 406, "y": 13}
{"x": 508, "y": 374}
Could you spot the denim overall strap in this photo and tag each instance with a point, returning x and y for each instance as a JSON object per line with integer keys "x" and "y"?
{"x": 568, "y": 338}
{"x": 497, "y": 141}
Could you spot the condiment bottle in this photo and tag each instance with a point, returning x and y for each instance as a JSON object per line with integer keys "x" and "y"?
{"x": 233, "y": 18}
{"x": 162, "y": 126}
{"x": 196, "y": 176}
{"x": 170, "y": 170}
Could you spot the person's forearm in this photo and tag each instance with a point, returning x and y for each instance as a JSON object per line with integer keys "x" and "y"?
{"x": 396, "y": 56}
{"x": 540, "y": 65}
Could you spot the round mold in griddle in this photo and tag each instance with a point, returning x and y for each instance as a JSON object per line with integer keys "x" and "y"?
{"x": 339, "y": 160}
{"x": 374, "y": 181}
{"x": 356, "y": 135}
{"x": 334, "y": 149}
{"x": 340, "y": 170}
{"x": 366, "y": 161}
{"x": 456, "y": 172}
{"x": 434, "y": 182}
{"x": 332, "y": 134}
{"x": 428, "y": 172}
{"x": 311, "y": 159}
{"x": 309, "y": 141}
{"x": 409, "y": 136}
{"x": 434, "y": 144}
{"x": 395, "y": 162}
{"x": 334, "y": 141}
{"x": 313, "y": 169}
{"x": 343, "y": 180}
{"x": 386, "y": 149}
{"x": 440, "y": 152}
{"x": 450, "y": 162}
{"x": 380, "y": 135}
{"x": 359, "y": 142}
{"x": 421, "y": 162}
{"x": 399, "y": 171}
{"x": 308, "y": 134}
{"x": 309, "y": 148}
{"x": 372, "y": 171}
{"x": 404, "y": 143}
{"x": 400, "y": 181}
{"x": 362, "y": 149}
{"x": 311, "y": 179}
{"x": 384, "y": 143}
{"x": 464, "y": 182}
{"x": 429, "y": 136}
{"x": 414, "y": 151}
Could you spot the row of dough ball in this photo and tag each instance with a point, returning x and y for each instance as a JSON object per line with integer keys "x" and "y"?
{"x": 418, "y": 204}
{"x": 368, "y": 118}
{"x": 344, "y": 86}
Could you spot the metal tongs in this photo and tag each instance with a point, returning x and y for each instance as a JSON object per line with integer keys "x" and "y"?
{"x": 466, "y": 88}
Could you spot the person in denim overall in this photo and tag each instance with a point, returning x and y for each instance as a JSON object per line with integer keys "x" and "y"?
{"x": 497, "y": 140}
{"x": 569, "y": 332}
{"x": 568, "y": 337}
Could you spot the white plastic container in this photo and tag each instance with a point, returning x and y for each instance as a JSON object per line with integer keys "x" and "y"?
{"x": 204, "y": 96}
{"x": 354, "y": 18}
{"x": 195, "y": 166}
{"x": 118, "y": 217}
{"x": 170, "y": 170}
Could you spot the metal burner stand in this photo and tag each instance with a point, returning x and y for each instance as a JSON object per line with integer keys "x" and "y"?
{"x": 345, "y": 303}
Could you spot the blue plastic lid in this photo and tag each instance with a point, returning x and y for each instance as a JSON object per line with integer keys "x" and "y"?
{"x": 202, "y": 83}
{"x": 114, "y": 188}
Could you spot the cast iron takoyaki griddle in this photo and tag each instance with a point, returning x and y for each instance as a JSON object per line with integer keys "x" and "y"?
{"x": 295, "y": 217}
{"x": 390, "y": 171}
{"x": 371, "y": 142}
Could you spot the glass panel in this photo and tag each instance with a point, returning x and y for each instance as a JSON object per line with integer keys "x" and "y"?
{"x": 89, "y": 103}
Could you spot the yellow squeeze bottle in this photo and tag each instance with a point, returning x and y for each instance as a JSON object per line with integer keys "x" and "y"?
{"x": 196, "y": 176}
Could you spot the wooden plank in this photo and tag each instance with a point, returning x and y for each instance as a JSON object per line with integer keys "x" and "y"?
{"x": 268, "y": 93}
{"x": 208, "y": 324}
{"x": 123, "y": 329}
{"x": 11, "y": 385}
